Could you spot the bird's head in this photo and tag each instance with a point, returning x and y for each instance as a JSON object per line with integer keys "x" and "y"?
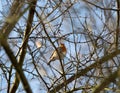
{"x": 63, "y": 47}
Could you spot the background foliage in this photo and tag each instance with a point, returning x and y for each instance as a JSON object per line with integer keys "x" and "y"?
{"x": 31, "y": 29}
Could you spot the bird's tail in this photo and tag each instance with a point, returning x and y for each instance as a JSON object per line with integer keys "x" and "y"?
{"x": 49, "y": 62}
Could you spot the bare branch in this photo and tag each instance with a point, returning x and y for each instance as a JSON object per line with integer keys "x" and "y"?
{"x": 107, "y": 81}
{"x": 84, "y": 71}
{"x": 24, "y": 45}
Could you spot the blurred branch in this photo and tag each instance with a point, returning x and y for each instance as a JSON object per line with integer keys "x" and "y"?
{"x": 84, "y": 71}
{"x": 107, "y": 81}
{"x": 118, "y": 24}
{"x": 101, "y": 7}
{"x": 80, "y": 88}
{"x": 9, "y": 79}
{"x": 14, "y": 62}
{"x": 24, "y": 44}
{"x": 13, "y": 17}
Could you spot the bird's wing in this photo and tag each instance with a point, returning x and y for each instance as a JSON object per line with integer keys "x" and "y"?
{"x": 59, "y": 50}
{"x": 53, "y": 53}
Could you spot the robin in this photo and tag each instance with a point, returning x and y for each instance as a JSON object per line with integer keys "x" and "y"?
{"x": 62, "y": 52}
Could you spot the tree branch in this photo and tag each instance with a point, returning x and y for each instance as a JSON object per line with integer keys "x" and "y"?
{"x": 101, "y": 7}
{"x": 24, "y": 44}
{"x": 118, "y": 25}
{"x": 16, "y": 65}
{"x": 106, "y": 82}
{"x": 84, "y": 71}
{"x": 13, "y": 17}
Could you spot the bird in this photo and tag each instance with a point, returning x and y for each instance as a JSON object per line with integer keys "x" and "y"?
{"x": 62, "y": 52}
